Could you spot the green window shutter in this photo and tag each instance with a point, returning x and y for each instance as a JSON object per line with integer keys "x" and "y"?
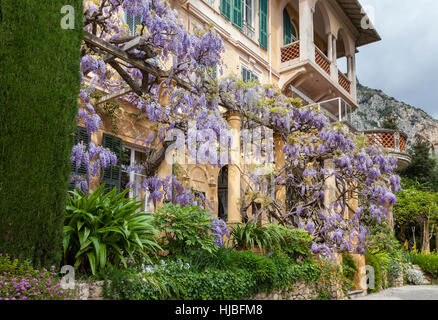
{"x": 263, "y": 34}
{"x": 112, "y": 176}
{"x": 133, "y": 22}
{"x": 237, "y": 13}
{"x": 226, "y": 8}
{"x": 248, "y": 75}
{"x": 81, "y": 135}
{"x": 287, "y": 28}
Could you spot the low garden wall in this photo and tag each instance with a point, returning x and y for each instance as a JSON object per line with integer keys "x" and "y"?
{"x": 301, "y": 291}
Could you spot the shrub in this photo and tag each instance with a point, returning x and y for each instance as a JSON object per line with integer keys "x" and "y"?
{"x": 373, "y": 261}
{"x": 427, "y": 262}
{"x": 349, "y": 270}
{"x": 19, "y": 281}
{"x": 414, "y": 277}
{"x": 185, "y": 228}
{"x": 395, "y": 271}
{"x": 39, "y": 85}
{"x": 103, "y": 229}
{"x": 295, "y": 243}
{"x": 262, "y": 268}
{"x": 175, "y": 279}
{"x": 250, "y": 235}
{"x": 243, "y": 275}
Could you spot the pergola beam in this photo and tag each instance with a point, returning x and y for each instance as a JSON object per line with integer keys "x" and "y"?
{"x": 139, "y": 64}
{"x": 113, "y": 95}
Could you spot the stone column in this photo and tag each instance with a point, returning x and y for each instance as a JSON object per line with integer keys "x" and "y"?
{"x": 330, "y": 183}
{"x": 335, "y": 52}
{"x": 353, "y": 76}
{"x": 360, "y": 276}
{"x": 307, "y": 47}
{"x": 330, "y": 47}
{"x": 334, "y": 64}
{"x": 280, "y": 191}
{"x": 96, "y": 138}
{"x": 233, "y": 171}
{"x": 389, "y": 217}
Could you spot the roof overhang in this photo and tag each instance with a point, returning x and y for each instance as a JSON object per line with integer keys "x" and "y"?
{"x": 355, "y": 12}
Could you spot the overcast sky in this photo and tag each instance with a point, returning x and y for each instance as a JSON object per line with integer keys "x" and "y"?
{"x": 405, "y": 63}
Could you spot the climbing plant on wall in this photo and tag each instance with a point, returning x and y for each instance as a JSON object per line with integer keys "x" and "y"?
{"x": 169, "y": 61}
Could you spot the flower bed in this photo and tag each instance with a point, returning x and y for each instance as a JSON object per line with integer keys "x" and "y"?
{"x": 19, "y": 281}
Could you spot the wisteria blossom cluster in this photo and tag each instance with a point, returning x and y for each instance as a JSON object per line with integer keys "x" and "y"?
{"x": 164, "y": 37}
{"x": 220, "y": 230}
{"x": 319, "y": 155}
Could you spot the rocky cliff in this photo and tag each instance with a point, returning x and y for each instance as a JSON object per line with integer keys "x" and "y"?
{"x": 375, "y": 105}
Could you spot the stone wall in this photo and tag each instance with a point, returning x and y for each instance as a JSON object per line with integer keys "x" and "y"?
{"x": 301, "y": 291}
{"x": 88, "y": 291}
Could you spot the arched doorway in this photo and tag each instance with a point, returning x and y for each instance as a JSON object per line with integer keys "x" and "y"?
{"x": 321, "y": 27}
{"x": 342, "y": 52}
{"x": 222, "y": 193}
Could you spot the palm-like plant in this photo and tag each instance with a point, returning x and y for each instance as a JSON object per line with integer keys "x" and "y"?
{"x": 104, "y": 229}
{"x": 250, "y": 235}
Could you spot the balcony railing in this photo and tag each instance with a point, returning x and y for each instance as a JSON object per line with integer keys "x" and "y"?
{"x": 321, "y": 60}
{"x": 392, "y": 141}
{"x": 290, "y": 51}
{"x": 338, "y": 110}
{"x": 344, "y": 82}
{"x": 386, "y": 138}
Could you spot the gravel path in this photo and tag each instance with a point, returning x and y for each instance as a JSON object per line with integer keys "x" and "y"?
{"x": 404, "y": 293}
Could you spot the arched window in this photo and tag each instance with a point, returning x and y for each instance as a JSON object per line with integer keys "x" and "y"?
{"x": 290, "y": 33}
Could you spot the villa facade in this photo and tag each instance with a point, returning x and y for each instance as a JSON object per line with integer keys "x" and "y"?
{"x": 306, "y": 47}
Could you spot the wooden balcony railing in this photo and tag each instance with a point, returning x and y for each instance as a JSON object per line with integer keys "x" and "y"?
{"x": 386, "y": 138}
{"x": 290, "y": 51}
{"x": 322, "y": 60}
{"x": 344, "y": 82}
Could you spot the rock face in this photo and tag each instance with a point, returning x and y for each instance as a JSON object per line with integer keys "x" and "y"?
{"x": 375, "y": 105}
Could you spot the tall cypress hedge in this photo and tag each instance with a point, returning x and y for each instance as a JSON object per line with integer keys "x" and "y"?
{"x": 39, "y": 87}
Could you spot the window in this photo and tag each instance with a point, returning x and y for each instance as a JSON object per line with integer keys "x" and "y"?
{"x": 226, "y": 8}
{"x": 132, "y": 157}
{"x": 237, "y": 13}
{"x": 222, "y": 193}
{"x": 133, "y": 22}
{"x": 248, "y": 75}
{"x": 290, "y": 33}
{"x": 210, "y": 2}
{"x": 112, "y": 176}
{"x": 263, "y": 34}
{"x": 248, "y": 18}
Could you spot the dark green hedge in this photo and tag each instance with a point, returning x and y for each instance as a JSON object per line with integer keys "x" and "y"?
{"x": 428, "y": 263}
{"x": 39, "y": 87}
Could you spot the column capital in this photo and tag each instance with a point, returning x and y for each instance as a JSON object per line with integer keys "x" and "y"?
{"x": 233, "y": 116}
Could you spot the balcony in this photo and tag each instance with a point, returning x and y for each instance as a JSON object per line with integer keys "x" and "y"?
{"x": 322, "y": 61}
{"x": 313, "y": 73}
{"x": 338, "y": 110}
{"x": 290, "y": 51}
{"x": 392, "y": 141}
{"x": 344, "y": 82}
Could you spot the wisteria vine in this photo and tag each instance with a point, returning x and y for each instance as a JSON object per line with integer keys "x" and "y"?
{"x": 319, "y": 155}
